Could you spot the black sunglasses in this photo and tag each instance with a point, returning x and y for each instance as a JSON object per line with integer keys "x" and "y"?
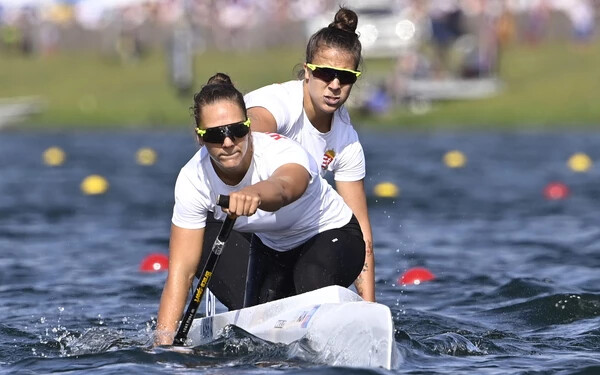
{"x": 219, "y": 133}
{"x": 329, "y": 73}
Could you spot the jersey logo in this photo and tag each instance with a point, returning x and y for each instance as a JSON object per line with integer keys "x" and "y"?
{"x": 275, "y": 136}
{"x": 327, "y": 158}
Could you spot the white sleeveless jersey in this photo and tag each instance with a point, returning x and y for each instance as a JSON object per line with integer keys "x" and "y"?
{"x": 320, "y": 208}
{"x": 338, "y": 150}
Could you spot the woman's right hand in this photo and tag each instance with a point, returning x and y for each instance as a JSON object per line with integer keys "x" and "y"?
{"x": 185, "y": 251}
{"x": 244, "y": 202}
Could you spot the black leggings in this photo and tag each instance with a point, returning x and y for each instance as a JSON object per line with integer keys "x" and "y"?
{"x": 334, "y": 257}
{"x": 228, "y": 280}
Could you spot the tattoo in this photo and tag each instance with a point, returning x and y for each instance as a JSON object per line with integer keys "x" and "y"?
{"x": 359, "y": 280}
{"x": 365, "y": 268}
{"x": 369, "y": 248}
{"x": 358, "y": 284}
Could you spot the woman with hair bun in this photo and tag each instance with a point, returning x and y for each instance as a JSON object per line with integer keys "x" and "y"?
{"x": 304, "y": 236}
{"x": 311, "y": 111}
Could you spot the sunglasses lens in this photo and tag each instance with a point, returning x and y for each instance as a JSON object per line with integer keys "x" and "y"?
{"x": 213, "y": 136}
{"x": 239, "y": 130}
{"x": 324, "y": 74}
{"x": 328, "y": 75}
{"x": 346, "y": 77}
{"x": 218, "y": 134}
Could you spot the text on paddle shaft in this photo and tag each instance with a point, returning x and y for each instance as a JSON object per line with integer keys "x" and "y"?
{"x": 203, "y": 283}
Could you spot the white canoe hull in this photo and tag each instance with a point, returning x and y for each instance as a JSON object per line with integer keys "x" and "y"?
{"x": 335, "y": 322}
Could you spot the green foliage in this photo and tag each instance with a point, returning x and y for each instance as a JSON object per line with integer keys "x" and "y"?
{"x": 544, "y": 86}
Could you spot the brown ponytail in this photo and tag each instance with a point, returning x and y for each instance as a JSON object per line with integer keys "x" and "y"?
{"x": 346, "y": 20}
{"x": 219, "y": 79}
{"x": 218, "y": 87}
{"x": 340, "y": 34}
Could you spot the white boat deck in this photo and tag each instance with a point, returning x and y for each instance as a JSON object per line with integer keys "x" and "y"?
{"x": 334, "y": 322}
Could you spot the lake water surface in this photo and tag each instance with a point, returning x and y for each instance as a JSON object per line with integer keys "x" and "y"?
{"x": 517, "y": 288}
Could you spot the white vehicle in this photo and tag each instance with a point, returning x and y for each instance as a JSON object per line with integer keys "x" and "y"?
{"x": 338, "y": 325}
{"x": 17, "y": 109}
{"x": 384, "y": 28}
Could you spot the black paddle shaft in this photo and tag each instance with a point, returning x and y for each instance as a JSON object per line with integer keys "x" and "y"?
{"x": 209, "y": 267}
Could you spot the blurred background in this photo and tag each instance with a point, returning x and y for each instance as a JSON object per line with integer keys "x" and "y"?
{"x": 428, "y": 63}
{"x": 479, "y": 123}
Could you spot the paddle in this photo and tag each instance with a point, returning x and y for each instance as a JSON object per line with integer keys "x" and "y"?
{"x": 209, "y": 267}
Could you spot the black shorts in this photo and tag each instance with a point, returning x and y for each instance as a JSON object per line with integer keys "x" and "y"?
{"x": 334, "y": 257}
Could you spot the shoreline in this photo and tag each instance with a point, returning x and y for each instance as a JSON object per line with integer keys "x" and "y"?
{"x": 548, "y": 86}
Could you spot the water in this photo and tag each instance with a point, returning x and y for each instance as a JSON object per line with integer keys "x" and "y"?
{"x": 517, "y": 286}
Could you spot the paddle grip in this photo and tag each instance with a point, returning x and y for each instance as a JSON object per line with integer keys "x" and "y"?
{"x": 223, "y": 201}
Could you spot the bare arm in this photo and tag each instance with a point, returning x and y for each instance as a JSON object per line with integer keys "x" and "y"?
{"x": 185, "y": 250}
{"x": 354, "y": 195}
{"x": 262, "y": 120}
{"x": 285, "y": 185}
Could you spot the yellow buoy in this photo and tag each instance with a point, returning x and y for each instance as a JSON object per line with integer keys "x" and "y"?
{"x": 94, "y": 184}
{"x": 146, "y": 156}
{"x": 580, "y": 162}
{"x": 455, "y": 159}
{"x": 54, "y": 156}
{"x": 386, "y": 190}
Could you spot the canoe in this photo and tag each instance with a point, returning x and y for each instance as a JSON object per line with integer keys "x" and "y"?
{"x": 334, "y": 322}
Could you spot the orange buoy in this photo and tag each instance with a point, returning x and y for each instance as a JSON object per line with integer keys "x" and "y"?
{"x": 415, "y": 276}
{"x": 156, "y": 262}
{"x": 556, "y": 191}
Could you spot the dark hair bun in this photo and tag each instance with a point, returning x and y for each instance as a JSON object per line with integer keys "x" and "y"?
{"x": 219, "y": 79}
{"x": 345, "y": 19}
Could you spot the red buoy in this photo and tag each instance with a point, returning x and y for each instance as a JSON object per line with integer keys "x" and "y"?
{"x": 156, "y": 262}
{"x": 556, "y": 191}
{"x": 416, "y": 276}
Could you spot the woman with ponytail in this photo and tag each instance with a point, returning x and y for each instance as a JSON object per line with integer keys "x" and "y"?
{"x": 311, "y": 111}
{"x": 304, "y": 236}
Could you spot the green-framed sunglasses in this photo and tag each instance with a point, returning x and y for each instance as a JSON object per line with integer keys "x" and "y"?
{"x": 329, "y": 73}
{"x": 219, "y": 133}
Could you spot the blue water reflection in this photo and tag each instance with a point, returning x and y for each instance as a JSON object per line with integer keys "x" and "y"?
{"x": 516, "y": 289}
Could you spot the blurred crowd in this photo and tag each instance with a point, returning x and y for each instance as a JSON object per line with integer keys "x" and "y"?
{"x": 44, "y": 26}
{"x": 430, "y": 40}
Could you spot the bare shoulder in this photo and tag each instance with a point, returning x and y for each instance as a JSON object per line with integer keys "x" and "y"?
{"x": 262, "y": 120}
